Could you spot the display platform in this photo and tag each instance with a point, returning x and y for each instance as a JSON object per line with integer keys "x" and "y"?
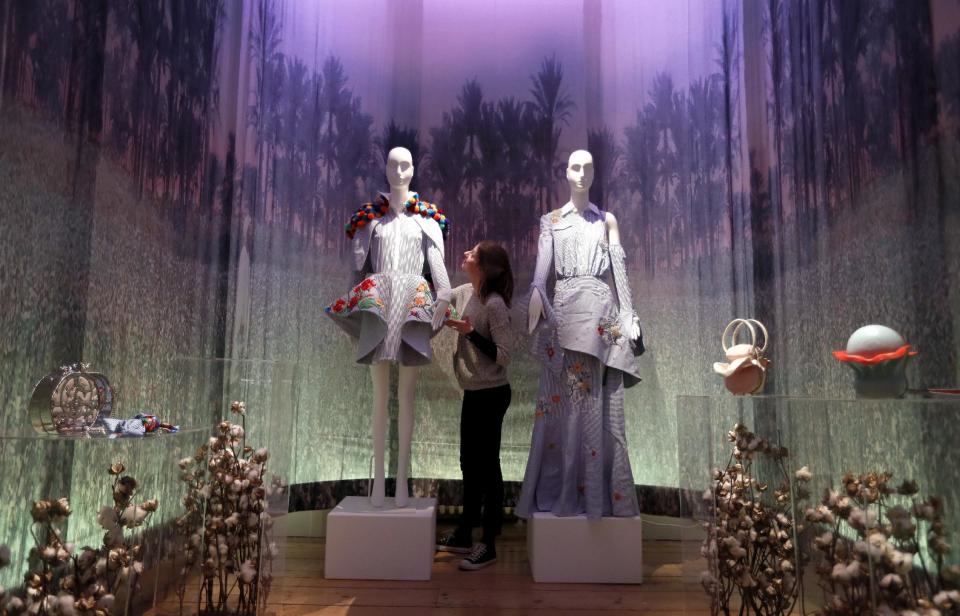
{"x": 387, "y": 543}
{"x": 577, "y": 550}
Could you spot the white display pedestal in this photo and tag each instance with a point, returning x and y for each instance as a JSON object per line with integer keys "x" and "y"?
{"x": 369, "y": 543}
{"x": 575, "y": 549}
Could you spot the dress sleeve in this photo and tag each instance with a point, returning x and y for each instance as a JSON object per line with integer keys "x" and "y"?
{"x": 438, "y": 272}
{"x": 618, "y": 261}
{"x": 483, "y": 344}
{"x": 544, "y": 263}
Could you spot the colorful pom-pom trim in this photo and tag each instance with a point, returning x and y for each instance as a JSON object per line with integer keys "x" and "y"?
{"x": 875, "y": 359}
{"x": 414, "y": 205}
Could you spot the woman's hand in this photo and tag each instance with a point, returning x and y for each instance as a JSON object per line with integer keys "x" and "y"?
{"x": 464, "y": 326}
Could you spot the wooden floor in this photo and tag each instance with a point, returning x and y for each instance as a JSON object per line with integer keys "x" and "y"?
{"x": 671, "y": 587}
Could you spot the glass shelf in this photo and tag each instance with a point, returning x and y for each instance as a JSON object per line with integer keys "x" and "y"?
{"x": 195, "y": 393}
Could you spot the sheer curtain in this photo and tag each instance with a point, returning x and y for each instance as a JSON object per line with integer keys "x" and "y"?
{"x": 792, "y": 161}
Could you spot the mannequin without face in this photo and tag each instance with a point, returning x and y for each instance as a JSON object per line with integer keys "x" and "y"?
{"x": 580, "y": 178}
{"x": 399, "y": 174}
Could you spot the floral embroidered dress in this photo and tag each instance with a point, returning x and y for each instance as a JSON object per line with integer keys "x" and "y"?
{"x": 390, "y": 311}
{"x": 578, "y": 460}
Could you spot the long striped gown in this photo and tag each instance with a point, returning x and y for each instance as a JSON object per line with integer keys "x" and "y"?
{"x": 578, "y": 461}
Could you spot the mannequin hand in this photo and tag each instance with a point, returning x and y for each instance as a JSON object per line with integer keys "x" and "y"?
{"x": 439, "y": 313}
{"x": 464, "y": 326}
{"x": 536, "y": 311}
{"x": 633, "y": 327}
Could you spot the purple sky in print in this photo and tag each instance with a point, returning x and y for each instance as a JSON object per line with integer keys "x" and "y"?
{"x": 409, "y": 59}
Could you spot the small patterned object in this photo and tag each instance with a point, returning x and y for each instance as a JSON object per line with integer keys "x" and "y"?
{"x": 152, "y": 424}
{"x": 140, "y": 425}
{"x": 70, "y": 400}
{"x": 371, "y": 211}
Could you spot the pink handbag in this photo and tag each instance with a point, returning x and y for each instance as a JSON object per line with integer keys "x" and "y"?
{"x": 746, "y": 369}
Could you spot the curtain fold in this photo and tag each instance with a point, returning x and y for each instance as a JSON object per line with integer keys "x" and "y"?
{"x": 176, "y": 176}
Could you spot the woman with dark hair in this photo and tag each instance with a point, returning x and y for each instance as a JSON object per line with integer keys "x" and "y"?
{"x": 480, "y": 362}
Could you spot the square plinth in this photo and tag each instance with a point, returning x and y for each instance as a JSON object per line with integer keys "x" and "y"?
{"x": 381, "y": 543}
{"x": 577, "y": 550}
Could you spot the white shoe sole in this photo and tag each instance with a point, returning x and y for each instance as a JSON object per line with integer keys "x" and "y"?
{"x": 453, "y": 550}
{"x": 466, "y": 565}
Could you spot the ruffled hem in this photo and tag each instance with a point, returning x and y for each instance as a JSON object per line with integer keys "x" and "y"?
{"x": 384, "y": 302}
{"x": 872, "y": 360}
{"x": 549, "y": 348}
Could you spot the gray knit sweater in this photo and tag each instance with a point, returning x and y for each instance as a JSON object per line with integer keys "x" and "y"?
{"x": 491, "y": 320}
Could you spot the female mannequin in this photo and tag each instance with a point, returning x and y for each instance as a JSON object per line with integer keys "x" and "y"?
{"x": 587, "y": 341}
{"x": 392, "y": 312}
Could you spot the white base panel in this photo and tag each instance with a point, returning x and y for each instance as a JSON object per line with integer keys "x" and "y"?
{"x": 577, "y": 550}
{"x": 387, "y": 543}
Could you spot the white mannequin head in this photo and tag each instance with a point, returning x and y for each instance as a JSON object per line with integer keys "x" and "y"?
{"x": 580, "y": 172}
{"x": 399, "y": 168}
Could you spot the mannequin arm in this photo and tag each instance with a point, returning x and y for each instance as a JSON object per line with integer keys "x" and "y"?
{"x": 539, "y": 304}
{"x": 618, "y": 262}
{"x": 438, "y": 271}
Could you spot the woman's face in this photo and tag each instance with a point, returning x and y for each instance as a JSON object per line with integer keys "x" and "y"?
{"x": 470, "y": 264}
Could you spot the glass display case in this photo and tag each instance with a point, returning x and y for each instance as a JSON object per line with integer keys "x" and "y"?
{"x": 862, "y": 485}
{"x": 196, "y": 395}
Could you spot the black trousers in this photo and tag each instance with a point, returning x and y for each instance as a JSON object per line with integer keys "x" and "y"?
{"x": 481, "y": 419}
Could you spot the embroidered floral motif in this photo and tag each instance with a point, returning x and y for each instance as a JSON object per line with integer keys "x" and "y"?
{"x": 420, "y": 300}
{"x": 578, "y": 382}
{"x": 609, "y": 331}
{"x": 421, "y": 305}
{"x": 543, "y": 409}
{"x": 364, "y": 296}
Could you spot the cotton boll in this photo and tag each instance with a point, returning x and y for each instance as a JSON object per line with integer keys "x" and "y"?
{"x": 133, "y": 516}
{"x": 247, "y": 571}
{"x": 858, "y": 518}
{"x": 840, "y": 574}
{"x": 823, "y": 541}
{"x": 853, "y": 569}
{"x": 65, "y": 605}
{"x": 902, "y": 562}
{"x": 892, "y": 581}
{"x": 106, "y": 602}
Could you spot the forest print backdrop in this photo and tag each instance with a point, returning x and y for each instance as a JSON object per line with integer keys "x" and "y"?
{"x": 175, "y": 174}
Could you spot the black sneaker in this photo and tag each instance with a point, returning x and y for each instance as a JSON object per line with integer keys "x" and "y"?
{"x": 455, "y": 544}
{"x": 480, "y": 557}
